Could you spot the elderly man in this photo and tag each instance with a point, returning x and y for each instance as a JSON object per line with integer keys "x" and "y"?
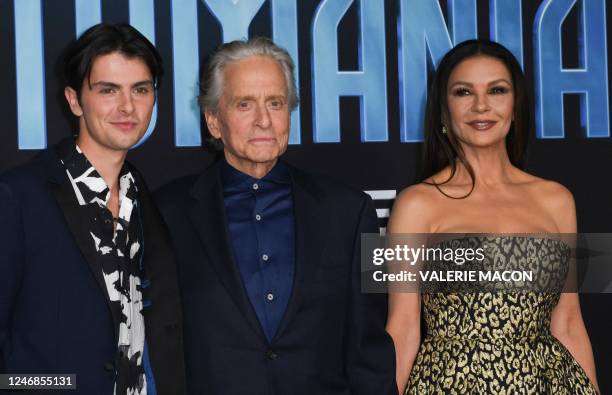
{"x": 268, "y": 255}
{"x": 80, "y": 290}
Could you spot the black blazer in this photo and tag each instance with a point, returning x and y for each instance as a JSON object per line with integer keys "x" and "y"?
{"x": 331, "y": 339}
{"x": 55, "y": 314}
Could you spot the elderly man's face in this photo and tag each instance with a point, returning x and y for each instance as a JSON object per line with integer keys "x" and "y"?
{"x": 253, "y": 119}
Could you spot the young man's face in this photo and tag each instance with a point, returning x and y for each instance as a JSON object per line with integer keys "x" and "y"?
{"x": 116, "y": 103}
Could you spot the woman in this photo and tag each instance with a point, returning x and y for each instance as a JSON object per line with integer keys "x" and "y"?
{"x": 475, "y": 134}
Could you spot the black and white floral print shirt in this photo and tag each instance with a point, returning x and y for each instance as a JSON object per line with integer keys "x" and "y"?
{"x": 117, "y": 240}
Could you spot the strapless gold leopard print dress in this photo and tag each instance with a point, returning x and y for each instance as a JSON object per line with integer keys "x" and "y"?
{"x": 497, "y": 342}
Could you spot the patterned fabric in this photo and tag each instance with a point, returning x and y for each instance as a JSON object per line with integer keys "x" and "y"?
{"x": 117, "y": 242}
{"x": 497, "y": 342}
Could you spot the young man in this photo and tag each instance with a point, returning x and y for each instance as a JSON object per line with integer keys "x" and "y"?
{"x": 268, "y": 255}
{"x": 87, "y": 280}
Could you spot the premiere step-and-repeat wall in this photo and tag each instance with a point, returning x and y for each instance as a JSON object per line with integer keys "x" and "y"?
{"x": 363, "y": 67}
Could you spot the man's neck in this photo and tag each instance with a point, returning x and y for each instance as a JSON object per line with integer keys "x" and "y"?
{"x": 108, "y": 163}
{"x": 253, "y": 169}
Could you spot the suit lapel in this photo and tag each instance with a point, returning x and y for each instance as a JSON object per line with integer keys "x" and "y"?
{"x": 208, "y": 217}
{"x": 310, "y": 234}
{"x": 74, "y": 215}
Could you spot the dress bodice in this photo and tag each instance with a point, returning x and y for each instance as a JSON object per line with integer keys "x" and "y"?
{"x": 493, "y": 309}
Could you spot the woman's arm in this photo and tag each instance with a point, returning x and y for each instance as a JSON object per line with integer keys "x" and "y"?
{"x": 404, "y": 326}
{"x": 411, "y": 214}
{"x": 567, "y": 326}
{"x": 566, "y": 321}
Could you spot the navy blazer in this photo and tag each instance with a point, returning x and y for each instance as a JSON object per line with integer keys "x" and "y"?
{"x": 331, "y": 339}
{"x": 55, "y": 314}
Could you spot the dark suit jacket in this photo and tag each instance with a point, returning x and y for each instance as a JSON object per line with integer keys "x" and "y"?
{"x": 331, "y": 339}
{"x": 55, "y": 314}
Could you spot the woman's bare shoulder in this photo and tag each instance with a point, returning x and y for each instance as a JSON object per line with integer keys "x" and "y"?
{"x": 414, "y": 209}
{"x": 419, "y": 195}
{"x": 551, "y": 192}
{"x": 556, "y": 200}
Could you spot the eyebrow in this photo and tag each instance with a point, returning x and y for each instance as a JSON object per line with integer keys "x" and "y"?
{"x": 251, "y": 97}
{"x": 276, "y": 97}
{"x": 108, "y": 84}
{"x": 490, "y": 83}
{"x": 246, "y": 97}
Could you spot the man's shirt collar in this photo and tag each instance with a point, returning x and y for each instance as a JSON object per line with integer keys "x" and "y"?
{"x": 234, "y": 178}
{"x": 90, "y": 184}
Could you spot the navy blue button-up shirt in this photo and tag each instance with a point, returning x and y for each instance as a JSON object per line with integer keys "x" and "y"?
{"x": 262, "y": 235}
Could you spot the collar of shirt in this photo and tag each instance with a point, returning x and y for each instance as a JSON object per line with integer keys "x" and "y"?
{"x": 236, "y": 181}
{"x": 89, "y": 182}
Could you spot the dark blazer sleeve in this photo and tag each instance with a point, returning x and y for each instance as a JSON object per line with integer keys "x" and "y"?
{"x": 371, "y": 354}
{"x": 11, "y": 260}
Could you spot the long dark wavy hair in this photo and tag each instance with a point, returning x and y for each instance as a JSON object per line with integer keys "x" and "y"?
{"x": 442, "y": 149}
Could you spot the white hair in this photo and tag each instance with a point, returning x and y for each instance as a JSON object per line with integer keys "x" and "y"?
{"x": 211, "y": 89}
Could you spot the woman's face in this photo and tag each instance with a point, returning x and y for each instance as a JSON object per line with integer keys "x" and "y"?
{"x": 480, "y": 100}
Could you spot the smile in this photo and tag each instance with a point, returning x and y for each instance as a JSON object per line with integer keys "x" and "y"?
{"x": 124, "y": 125}
{"x": 482, "y": 125}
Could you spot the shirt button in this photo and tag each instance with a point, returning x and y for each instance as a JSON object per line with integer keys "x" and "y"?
{"x": 255, "y": 186}
{"x": 270, "y": 297}
{"x": 258, "y": 217}
{"x": 265, "y": 257}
